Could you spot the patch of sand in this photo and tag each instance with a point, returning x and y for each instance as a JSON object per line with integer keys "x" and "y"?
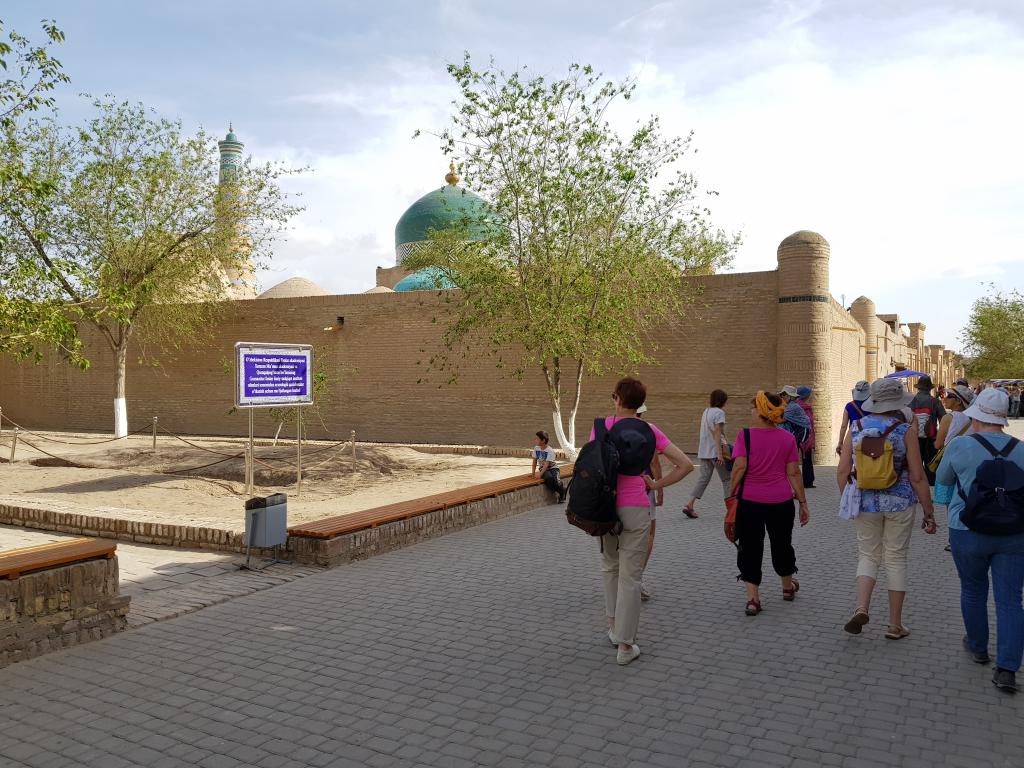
{"x": 125, "y": 479}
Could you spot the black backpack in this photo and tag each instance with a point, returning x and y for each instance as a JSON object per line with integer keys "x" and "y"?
{"x": 994, "y": 504}
{"x": 591, "y": 506}
{"x": 636, "y": 444}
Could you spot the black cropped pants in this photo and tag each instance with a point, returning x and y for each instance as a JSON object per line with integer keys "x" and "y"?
{"x": 753, "y": 520}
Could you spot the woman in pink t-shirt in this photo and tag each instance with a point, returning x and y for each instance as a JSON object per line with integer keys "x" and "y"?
{"x": 622, "y": 556}
{"x": 766, "y": 474}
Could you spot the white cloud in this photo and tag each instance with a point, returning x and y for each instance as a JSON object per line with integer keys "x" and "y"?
{"x": 897, "y": 140}
{"x": 907, "y": 165}
{"x": 355, "y": 198}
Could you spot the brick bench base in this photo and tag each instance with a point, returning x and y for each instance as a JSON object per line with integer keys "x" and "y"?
{"x": 59, "y": 607}
{"x": 385, "y": 538}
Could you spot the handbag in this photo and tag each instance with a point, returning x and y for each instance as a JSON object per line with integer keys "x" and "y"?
{"x": 732, "y": 503}
{"x": 849, "y": 502}
{"x": 933, "y": 465}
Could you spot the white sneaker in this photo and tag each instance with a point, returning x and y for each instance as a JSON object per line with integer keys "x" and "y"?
{"x": 611, "y": 638}
{"x": 624, "y": 657}
{"x": 645, "y": 593}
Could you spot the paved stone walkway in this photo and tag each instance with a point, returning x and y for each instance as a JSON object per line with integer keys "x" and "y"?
{"x": 486, "y": 647}
{"x": 165, "y": 582}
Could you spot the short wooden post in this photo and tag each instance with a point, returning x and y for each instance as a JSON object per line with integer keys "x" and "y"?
{"x": 14, "y": 444}
{"x": 353, "y": 436}
{"x": 154, "y": 434}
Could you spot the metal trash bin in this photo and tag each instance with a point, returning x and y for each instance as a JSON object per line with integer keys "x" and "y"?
{"x": 266, "y": 521}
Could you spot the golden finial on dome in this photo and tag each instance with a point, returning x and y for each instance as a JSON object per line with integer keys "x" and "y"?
{"x": 451, "y": 176}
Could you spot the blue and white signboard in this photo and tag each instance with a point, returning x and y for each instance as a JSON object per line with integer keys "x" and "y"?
{"x": 273, "y": 375}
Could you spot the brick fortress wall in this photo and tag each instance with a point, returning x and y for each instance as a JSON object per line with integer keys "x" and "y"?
{"x": 380, "y": 355}
{"x": 744, "y": 332}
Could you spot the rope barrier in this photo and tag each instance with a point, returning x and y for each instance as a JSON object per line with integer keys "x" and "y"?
{"x": 201, "y": 466}
{"x": 226, "y": 457}
{"x": 25, "y": 431}
{"x": 194, "y": 445}
{"x": 321, "y": 463}
{"x": 54, "y": 456}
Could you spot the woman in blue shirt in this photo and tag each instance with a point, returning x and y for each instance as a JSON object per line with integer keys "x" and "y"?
{"x": 975, "y": 554}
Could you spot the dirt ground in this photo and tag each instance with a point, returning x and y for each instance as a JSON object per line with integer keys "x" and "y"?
{"x": 125, "y": 479}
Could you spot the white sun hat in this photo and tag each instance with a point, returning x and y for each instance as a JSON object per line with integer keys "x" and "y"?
{"x": 990, "y": 407}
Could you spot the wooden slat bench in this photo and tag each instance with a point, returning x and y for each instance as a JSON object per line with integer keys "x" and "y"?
{"x": 403, "y": 510}
{"x": 16, "y": 562}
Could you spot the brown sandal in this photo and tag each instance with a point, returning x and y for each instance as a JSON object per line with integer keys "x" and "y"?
{"x": 753, "y": 607}
{"x": 857, "y": 622}
{"x": 789, "y": 595}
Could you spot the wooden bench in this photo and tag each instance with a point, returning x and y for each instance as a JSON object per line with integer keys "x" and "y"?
{"x": 330, "y": 527}
{"x": 16, "y": 562}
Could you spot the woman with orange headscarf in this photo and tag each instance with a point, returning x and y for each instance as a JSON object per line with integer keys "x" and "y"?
{"x": 766, "y": 478}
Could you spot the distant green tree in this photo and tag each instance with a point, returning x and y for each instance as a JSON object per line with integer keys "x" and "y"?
{"x": 29, "y": 73}
{"x": 994, "y": 336}
{"x": 123, "y": 225}
{"x": 590, "y": 232}
{"x": 28, "y": 76}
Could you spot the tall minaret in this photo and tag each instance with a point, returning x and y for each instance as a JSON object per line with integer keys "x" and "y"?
{"x": 230, "y": 155}
{"x": 241, "y": 282}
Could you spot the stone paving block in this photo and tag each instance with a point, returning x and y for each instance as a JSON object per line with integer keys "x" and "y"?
{"x": 485, "y": 647}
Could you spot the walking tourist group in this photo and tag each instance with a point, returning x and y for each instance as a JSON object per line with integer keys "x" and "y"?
{"x": 898, "y": 452}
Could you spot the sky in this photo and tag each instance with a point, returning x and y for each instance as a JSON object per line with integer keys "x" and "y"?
{"x": 891, "y": 127}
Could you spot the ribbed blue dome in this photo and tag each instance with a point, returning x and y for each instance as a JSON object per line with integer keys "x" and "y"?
{"x": 429, "y": 279}
{"x": 440, "y": 209}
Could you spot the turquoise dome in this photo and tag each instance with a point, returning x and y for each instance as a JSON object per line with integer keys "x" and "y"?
{"x": 448, "y": 206}
{"x": 429, "y": 279}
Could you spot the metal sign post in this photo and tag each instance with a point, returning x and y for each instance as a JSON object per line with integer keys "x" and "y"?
{"x": 298, "y": 457}
{"x": 250, "y": 467}
{"x": 269, "y": 375}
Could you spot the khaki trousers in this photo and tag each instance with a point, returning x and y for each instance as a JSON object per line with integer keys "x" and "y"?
{"x": 884, "y": 537}
{"x": 623, "y": 565}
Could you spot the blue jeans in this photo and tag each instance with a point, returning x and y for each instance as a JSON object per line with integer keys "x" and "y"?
{"x": 975, "y": 554}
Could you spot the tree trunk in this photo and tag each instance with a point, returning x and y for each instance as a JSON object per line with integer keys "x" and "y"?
{"x": 563, "y": 441}
{"x": 120, "y": 404}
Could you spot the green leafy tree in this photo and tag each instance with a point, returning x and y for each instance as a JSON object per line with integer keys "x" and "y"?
{"x": 28, "y": 76}
{"x": 994, "y": 336}
{"x": 589, "y": 236}
{"x": 29, "y": 73}
{"x": 122, "y": 223}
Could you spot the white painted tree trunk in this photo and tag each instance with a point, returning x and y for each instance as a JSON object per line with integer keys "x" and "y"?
{"x": 567, "y": 445}
{"x": 120, "y": 403}
{"x": 120, "y": 417}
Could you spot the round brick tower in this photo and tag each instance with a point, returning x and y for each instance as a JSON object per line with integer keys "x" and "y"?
{"x": 863, "y": 311}
{"x": 805, "y": 328}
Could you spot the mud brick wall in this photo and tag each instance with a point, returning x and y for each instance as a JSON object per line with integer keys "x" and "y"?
{"x": 743, "y": 332}
{"x": 58, "y": 608}
{"x": 378, "y": 365}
